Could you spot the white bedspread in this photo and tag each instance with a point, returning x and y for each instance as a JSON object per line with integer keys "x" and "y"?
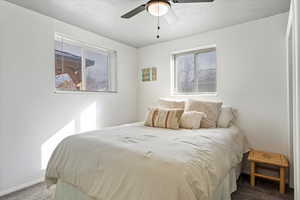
{"x": 134, "y": 162}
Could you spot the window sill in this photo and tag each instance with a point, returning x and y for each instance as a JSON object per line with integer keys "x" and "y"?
{"x": 84, "y": 92}
{"x": 196, "y": 94}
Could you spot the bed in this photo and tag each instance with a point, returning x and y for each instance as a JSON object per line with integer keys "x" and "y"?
{"x": 135, "y": 162}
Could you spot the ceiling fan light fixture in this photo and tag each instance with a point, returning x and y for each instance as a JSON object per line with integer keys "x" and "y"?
{"x": 158, "y": 7}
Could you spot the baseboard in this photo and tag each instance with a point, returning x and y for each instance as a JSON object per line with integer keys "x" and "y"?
{"x": 20, "y": 187}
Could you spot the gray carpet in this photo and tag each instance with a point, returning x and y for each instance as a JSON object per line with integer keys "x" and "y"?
{"x": 36, "y": 192}
{"x": 264, "y": 190}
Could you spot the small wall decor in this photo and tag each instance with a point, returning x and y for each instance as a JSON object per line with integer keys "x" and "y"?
{"x": 154, "y": 74}
{"x": 149, "y": 74}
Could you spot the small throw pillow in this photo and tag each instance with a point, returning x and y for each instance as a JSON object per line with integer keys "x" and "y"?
{"x": 150, "y": 117}
{"x": 226, "y": 117}
{"x": 210, "y": 108}
{"x": 163, "y": 118}
{"x": 171, "y": 104}
{"x": 192, "y": 119}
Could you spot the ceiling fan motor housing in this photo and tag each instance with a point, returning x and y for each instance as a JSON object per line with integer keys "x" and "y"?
{"x": 158, "y": 7}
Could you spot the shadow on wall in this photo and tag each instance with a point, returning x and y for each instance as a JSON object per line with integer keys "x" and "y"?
{"x": 84, "y": 121}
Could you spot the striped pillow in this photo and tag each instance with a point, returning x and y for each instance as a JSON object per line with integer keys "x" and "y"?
{"x": 163, "y": 118}
{"x": 151, "y": 116}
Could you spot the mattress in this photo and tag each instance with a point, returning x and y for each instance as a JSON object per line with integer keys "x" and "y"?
{"x": 137, "y": 162}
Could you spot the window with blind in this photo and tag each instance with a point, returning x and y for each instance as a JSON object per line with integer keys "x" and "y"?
{"x": 195, "y": 72}
{"x": 81, "y": 67}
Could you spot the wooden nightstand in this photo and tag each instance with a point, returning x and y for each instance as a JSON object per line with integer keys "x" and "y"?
{"x": 273, "y": 159}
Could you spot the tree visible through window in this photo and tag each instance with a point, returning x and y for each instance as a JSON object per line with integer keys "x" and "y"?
{"x": 195, "y": 72}
{"x": 79, "y": 67}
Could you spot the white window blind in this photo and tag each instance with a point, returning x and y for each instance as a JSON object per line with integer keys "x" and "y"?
{"x": 80, "y": 67}
{"x": 195, "y": 72}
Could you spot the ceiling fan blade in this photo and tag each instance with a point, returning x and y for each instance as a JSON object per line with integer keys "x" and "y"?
{"x": 171, "y": 17}
{"x": 134, "y": 11}
{"x": 191, "y": 1}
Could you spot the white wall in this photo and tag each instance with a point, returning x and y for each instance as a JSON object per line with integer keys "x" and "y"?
{"x": 32, "y": 115}
{"x": 251, "y": 64}
{"x": 251, "y": 77}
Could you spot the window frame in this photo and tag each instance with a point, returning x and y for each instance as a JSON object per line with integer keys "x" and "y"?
{"x": 86, "y": 46}
{"x": 196, "y": 50}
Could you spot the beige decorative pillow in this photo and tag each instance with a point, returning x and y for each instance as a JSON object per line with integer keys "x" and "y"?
{"x": 163, "y": 118}
{"x": 171, "y": 104}
{"x": 210, "y": 108}
{"x": 151, "y": 115}
{"x": 168, "y": 118}
{"x": 192, "y": 119}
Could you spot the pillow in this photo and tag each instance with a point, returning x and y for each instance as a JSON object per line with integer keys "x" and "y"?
{"x": 191, "y": 119}
{"x": 150, "y": 117}
{"x": 163, "y": 118}
{"x": 171, "y": 104}
{"x": 226, "y": 117}
{"x": 210, "y": 108}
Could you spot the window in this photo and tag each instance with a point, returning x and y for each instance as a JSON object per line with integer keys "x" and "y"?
{"x": 79, "y": 67}
{"x": 195, "y": 72}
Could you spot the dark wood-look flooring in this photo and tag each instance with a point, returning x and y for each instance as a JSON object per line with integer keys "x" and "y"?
{"x": 265, "y": 190}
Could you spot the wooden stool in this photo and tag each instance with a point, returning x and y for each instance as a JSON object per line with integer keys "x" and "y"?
{"x": 273, "y": 159}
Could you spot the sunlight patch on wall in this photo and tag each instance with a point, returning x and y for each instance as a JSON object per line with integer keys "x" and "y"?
{"x": 49, "y": 146}
{"x": 85, "y": 121}
{"x": 88, "y": 118}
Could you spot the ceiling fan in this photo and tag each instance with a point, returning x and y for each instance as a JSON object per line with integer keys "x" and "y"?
{"x": 159, "y": 7}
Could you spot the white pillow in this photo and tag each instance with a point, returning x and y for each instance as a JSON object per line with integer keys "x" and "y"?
{"x": 171, "y": 104}
{"x": 226, "y": 117}
{"x": 191, "y": 119}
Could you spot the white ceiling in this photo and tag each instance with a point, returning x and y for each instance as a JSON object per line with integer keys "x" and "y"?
{"x": 103, "y": 17}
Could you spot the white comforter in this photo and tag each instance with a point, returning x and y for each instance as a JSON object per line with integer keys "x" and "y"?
{"x": 134, "y": 162}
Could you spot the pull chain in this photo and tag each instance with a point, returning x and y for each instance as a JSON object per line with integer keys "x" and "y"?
{"x": 158, "y": 27}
